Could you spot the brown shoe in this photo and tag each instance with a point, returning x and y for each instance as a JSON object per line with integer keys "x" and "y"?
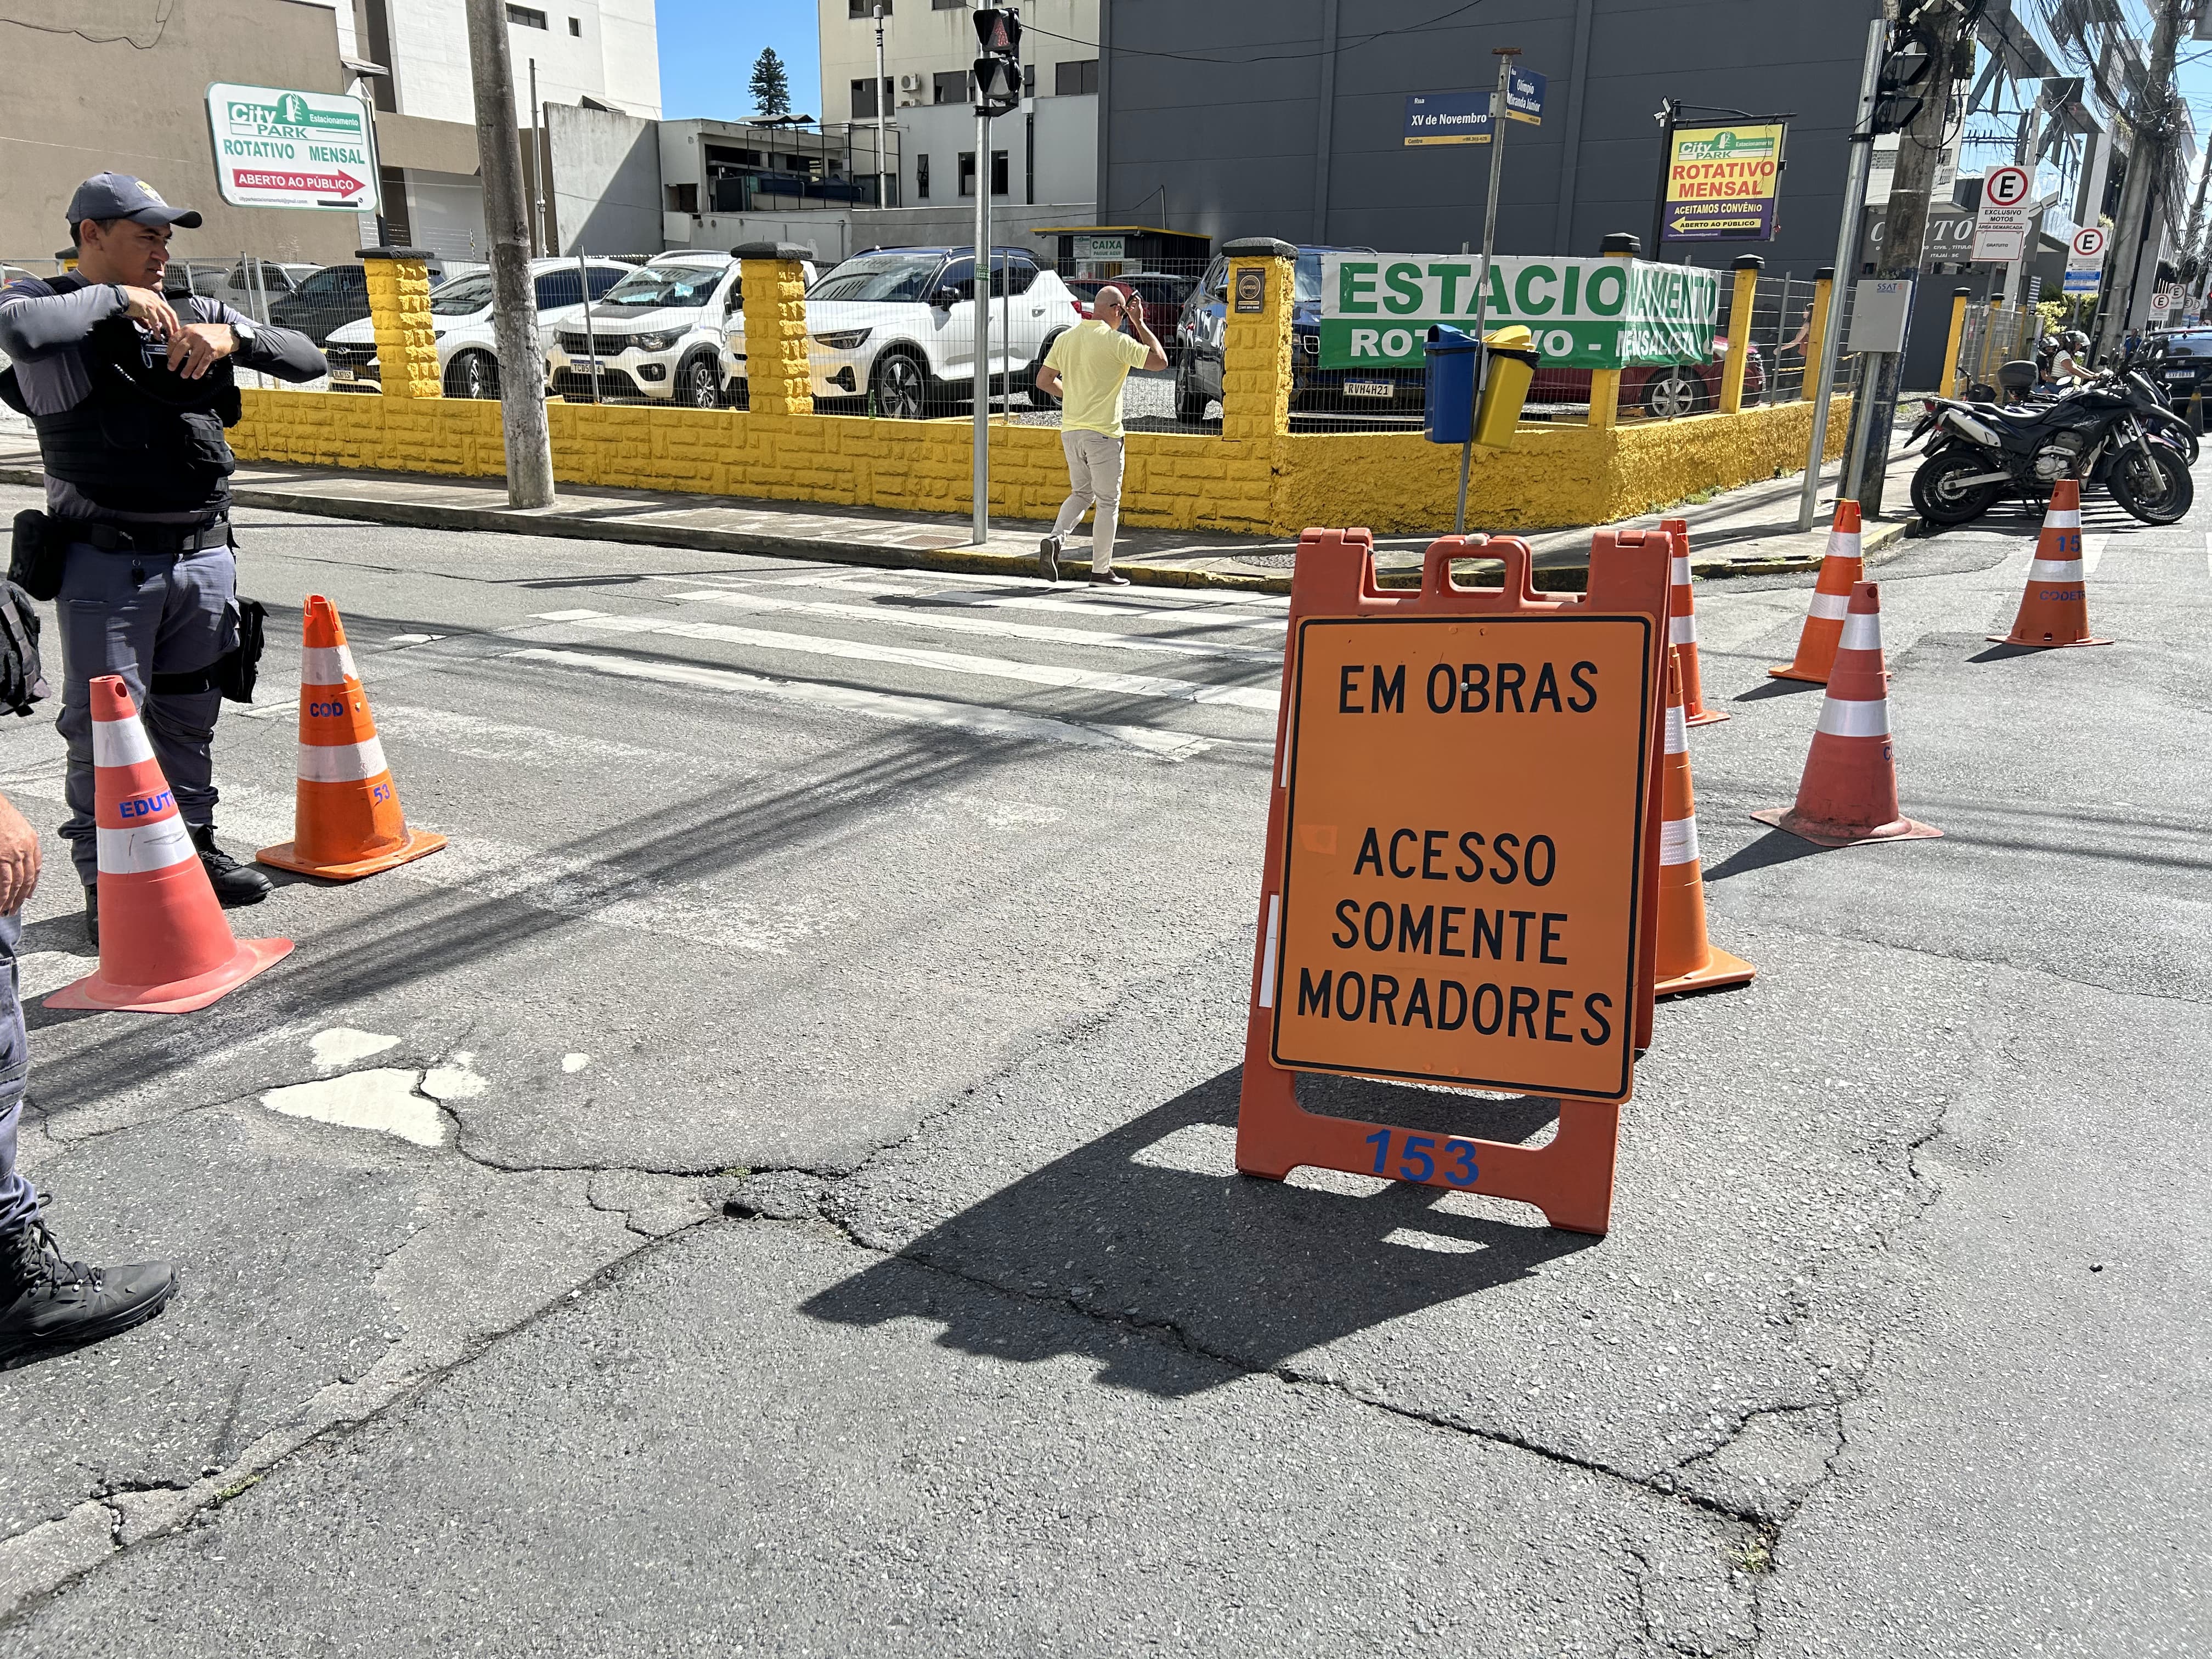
{"x": 1108, "y": 579}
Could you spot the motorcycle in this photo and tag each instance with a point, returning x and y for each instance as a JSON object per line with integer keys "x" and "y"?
{"x": 2106, "y": 433}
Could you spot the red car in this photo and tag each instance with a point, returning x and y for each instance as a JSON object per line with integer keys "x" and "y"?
{"x": 1664, "y": 392}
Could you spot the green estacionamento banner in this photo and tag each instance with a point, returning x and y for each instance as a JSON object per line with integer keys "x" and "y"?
{"x": 1376, "y": 308}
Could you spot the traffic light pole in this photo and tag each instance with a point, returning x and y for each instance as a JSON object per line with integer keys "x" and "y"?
{"x": 981, "y": 307}
{"x": 1847, "y": 235}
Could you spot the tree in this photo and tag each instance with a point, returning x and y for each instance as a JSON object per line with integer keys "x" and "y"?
{"x": 771, "y": 86}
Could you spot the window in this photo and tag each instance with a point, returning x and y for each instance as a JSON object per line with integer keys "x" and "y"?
{"x": 528, "y": 17}
{"x": 462, "y": 297}
{"x": 864, "y": 98}
{"x": 1020, "y": 272}
{"x": 1028, "y": 80}
{"x": 576, "y": 27}
{"x": 605, "y": 277}
{"x": 921, "y": 178}
{"x": 560, "y": 288}
{"x": 867, "y": 7}
{"x": 948, "y": 5}
{"x": 1074, "y": 78}
{"x": 949, "y": 86}
{"x": 967, "y": 172}
{"x": 879, "y": 277}
{"x": 683, "y": 198}
{"x": 998, "y": 173}
{"x": 960, "y": 276}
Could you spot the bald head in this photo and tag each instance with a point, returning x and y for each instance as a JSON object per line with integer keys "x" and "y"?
{"x": 1110, "y": 298}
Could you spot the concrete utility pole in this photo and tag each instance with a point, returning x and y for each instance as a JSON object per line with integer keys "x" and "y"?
{"x": 2151, "y": 123}
{"x": 514, "y": 310}
{"x": 1919, "y": 153}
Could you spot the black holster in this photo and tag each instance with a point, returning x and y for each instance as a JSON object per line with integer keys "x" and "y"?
{"x": 35, "y": 554}
{"x": 234, "y": 672}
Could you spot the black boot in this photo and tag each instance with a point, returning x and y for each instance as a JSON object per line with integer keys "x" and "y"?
{"x": 47, "y": 1304}
{"x": 235, "y": 883}
{"x": 92, "y": 915}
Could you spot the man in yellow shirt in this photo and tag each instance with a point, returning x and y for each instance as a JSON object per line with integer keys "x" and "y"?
{"x": 1086, "y": 369}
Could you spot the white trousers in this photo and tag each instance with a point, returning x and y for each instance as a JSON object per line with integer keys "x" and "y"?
{"x": 1094, "y": 476}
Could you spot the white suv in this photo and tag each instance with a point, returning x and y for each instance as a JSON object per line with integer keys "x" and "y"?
{"x": 461, "y": 320}
{"x": 659, "y": 334}
{"x": 896, "y": 326}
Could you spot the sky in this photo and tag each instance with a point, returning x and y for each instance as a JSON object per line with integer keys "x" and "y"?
{"x": 708, "y": 48}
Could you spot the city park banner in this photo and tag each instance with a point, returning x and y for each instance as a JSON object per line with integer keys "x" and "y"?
{"x": 1376, "y": 308}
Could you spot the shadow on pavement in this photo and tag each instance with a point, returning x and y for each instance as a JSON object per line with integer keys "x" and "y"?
{"x": 1150, "y": 1226}
{"x": 1775, "y": 847}
{"x": 1776, "y": 689}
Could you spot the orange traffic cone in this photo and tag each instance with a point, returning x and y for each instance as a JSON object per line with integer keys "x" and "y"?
{"x": 2055, "y": 609}
{"x": 164, "y": 945}
{"x": 1682, "y": 628}
{"x": 1849, "y": 792}
{"x": 1687, "y": 960}
{"x": 1840, "y": 567}
{"x": 346, "y": 820}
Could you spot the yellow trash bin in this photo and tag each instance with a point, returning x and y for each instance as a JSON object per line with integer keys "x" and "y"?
{"x": 1512, "y": 366}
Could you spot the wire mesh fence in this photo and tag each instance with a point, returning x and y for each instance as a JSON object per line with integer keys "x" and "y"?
{"x": 1995, "y": 334}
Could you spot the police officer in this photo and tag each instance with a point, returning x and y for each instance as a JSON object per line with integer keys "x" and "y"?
{"x": 130, "y": 399}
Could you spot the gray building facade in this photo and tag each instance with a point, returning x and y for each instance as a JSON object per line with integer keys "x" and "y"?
{"x": 1285, "y": 118}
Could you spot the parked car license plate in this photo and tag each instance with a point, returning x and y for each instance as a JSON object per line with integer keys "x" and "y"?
{"x": 2180, "y": 374}
{"x": 1371, "y": 389}
{"x": 342, "y": 374}
{"x": 587, "y": 364}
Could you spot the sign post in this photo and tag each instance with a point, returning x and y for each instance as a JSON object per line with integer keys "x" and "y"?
{"x": 280, "y": 148}
{"x": 1462, "y": 848}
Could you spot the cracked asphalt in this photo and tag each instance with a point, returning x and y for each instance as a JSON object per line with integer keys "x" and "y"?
{"x": 767, "y": 1187}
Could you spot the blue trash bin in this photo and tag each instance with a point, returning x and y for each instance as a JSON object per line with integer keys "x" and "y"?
{"x": 1455, "y": 361}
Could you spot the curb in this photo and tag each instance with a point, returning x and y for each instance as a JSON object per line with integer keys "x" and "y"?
{"x": 527, "y": 522}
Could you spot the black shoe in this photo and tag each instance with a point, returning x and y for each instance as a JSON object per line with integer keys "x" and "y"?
{"x": 1107, "y": 579}
{"x": 1049, "y": 558}
{"x": 235, "y": 883}
{"x": 47, "y": 1304}
{"x": 92, "y": 915}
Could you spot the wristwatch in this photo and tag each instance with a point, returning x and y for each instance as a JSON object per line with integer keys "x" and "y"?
{"x": 245, "y": 333}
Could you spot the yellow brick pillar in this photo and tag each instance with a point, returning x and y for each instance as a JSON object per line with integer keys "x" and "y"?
{"x": 1256, "y": 346}
{"x": 1952, "y": 376}
{"x": 1746, "y": 268}
{"x": 66, "y": 259}
{"x": 1816, "y": 332}
{"x": 399, "y": 314}
{"x": 777, "y": 379}
{"x": 1605, "y": 382}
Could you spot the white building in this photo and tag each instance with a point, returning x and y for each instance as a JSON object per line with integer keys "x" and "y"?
{"x": 929, "y": 43}
{"x": 598, "y": 54}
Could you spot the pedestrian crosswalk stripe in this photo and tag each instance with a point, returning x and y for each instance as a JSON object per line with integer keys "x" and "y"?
{"x": 1246, "y": 611}
{"x": 1259, "y": 699}
{"x": 2092, "y": 548}
{"x": 947, "y": 620}
{"x": 984, "y": 719}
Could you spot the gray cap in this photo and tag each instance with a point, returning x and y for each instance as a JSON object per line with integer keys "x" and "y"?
{"x": 119, "y": 196}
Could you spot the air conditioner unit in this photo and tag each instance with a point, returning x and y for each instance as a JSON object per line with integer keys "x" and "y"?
{"x": 909, "y": 82}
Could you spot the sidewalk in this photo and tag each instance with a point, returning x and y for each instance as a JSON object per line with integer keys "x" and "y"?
{"x": 1747, "y": 532}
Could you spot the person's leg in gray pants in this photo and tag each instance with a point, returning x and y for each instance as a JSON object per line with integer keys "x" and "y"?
{"x": 1094, "y": 475}
{"x": 138, "y": 615}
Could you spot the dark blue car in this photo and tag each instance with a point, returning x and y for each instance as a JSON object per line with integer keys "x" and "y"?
{"x": 1387, "y": 390}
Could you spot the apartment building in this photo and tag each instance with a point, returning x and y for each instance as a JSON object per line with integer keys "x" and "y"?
{"x": 595, "y": 54}
{"x": 929, "y": 45}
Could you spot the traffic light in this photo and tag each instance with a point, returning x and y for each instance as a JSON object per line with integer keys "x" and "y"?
{"x": 1911, "y": 56}
{"x": 999, "y": 68}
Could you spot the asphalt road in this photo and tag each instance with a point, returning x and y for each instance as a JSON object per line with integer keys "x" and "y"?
{"x": 767, "y": 1188}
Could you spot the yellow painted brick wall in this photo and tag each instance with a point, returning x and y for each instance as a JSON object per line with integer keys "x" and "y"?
{"x": 776, "y": 371}
{"x": 1396, "y": 483}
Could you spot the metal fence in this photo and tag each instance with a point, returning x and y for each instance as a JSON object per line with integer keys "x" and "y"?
{"x": 1995, "y": 334}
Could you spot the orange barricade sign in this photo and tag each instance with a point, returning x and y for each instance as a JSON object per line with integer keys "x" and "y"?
{"x": 1461, "y": 861}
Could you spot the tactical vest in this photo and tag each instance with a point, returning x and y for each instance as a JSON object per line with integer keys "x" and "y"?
{"x": 146, "y": 440}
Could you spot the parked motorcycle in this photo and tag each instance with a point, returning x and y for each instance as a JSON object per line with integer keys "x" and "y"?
{"x": 2106, "y": 433}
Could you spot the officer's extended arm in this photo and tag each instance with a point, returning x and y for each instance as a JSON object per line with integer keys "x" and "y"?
{"x": 284, "y": 352}
{"x": 32, "y": 323}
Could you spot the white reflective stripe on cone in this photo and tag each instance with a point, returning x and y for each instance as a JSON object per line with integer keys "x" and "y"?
{"x": 1843, "y": 544}
{"x": 1678, "y": 840}
{"x": 1840, "y": 718}
{"x": 1267, "y": 960}
{"x": 1828, "y": 607}
{"x": 152, "y": 846}
{"x": 2064, "y": 517}
{"x": 1678, "y": 730}
{"x": 341, "y": 763}
{"x": 1861, "y": 632}
{"x": 1682, "y": 570}
{"x": 1682, "y": 630}
{"x": 2055, "y": 570}
{"x": 326, "y": 665}
{"x": 119, "y": 743}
